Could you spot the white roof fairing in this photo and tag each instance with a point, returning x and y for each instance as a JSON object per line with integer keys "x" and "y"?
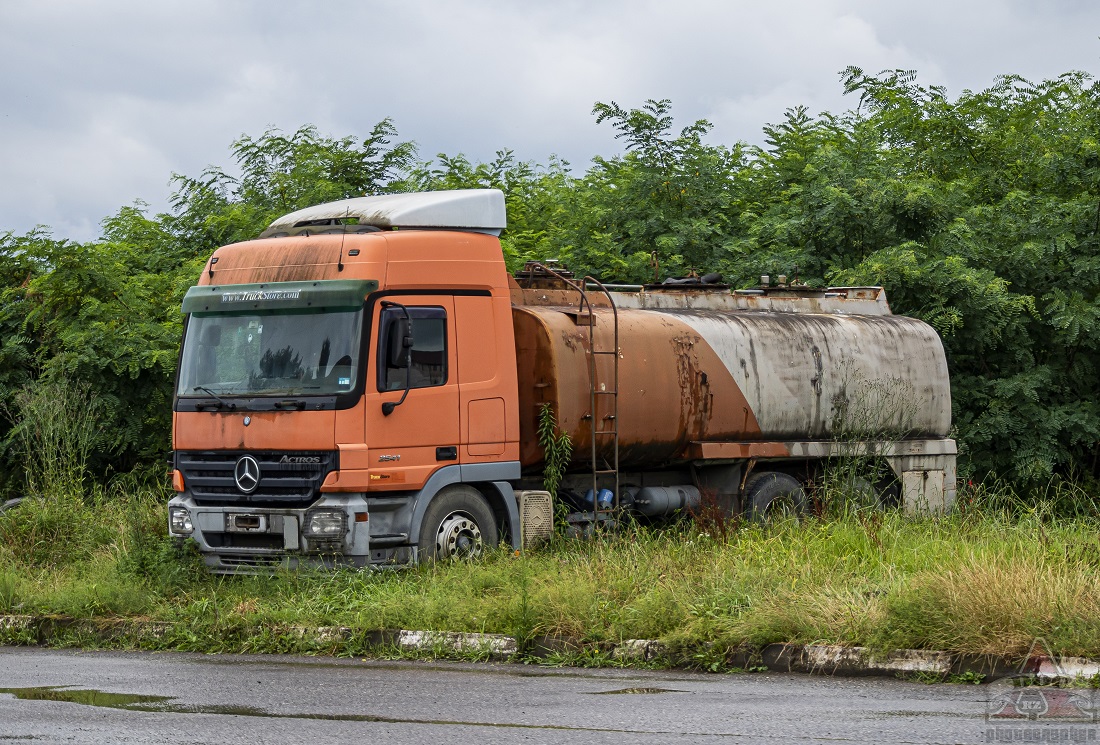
{"x": 481, "y": 210}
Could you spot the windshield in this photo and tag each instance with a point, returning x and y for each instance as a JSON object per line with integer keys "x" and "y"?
{"x": 271, "y": 354}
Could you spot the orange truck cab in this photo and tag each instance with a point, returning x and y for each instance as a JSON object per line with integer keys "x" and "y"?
{"x": 347, "y": 388}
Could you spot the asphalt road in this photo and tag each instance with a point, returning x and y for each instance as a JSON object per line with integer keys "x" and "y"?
{"x": 49, "y": 696}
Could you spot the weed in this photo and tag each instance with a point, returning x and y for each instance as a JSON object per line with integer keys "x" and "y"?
{"x": 586, "y": 656}
{"x": 524, "y": 629}
{"x": 556, "y": 446}
{"x": 710, "y": 659}
{"x": 18, "y": 636}
{"x": 968, "y": 678}
{"x": 713, "y": 518}
{"x": 9, "y": 598}
{"x": 58, "y": 427}
{"x": 931, "y": 678}
{"x": 975, "y": 582}
{"x": 53, "y": 531}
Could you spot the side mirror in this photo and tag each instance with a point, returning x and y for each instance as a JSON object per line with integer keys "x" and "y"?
{"x": 399, "y": 344}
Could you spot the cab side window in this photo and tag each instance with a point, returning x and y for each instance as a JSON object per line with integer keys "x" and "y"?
{"x": 425, "y": 365}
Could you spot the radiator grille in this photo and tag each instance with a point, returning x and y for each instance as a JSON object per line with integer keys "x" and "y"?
{"x": 284, "y": 479}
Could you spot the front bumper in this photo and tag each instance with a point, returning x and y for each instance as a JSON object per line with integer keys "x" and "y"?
{"x": 241, "y": 539}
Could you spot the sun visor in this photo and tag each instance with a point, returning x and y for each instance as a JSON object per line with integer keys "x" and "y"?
{"x": 332, "y": 294}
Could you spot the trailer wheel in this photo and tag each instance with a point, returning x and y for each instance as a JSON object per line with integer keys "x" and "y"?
{"x": 856, "y": 493}
{"x": 889, "y": 491}
{"x": 458, "y": 525}
{"x": 771, "y": 494}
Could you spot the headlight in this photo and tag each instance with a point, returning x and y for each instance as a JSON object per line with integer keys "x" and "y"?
{"x": 179, "y": 520}
{"x": 326, "y": 523}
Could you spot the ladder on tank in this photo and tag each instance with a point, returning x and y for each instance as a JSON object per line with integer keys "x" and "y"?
{"x": 605, "y": 430}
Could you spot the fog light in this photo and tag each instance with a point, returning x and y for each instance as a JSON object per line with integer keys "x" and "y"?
{"x": 179, "y": 520}
{"x": 327, "y": 523}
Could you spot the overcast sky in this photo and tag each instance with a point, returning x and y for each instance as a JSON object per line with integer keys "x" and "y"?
{"x": 100, "y": 102}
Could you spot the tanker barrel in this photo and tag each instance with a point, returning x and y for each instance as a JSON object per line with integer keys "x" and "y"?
{"x": 690, "y": 376}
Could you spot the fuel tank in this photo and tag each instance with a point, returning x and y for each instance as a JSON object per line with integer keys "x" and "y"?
{"x": 705, "y": 372}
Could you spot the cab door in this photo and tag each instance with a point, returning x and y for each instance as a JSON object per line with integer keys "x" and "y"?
{"x": 412, "y": 375}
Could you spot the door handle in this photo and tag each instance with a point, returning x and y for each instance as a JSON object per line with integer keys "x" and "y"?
{"x": 447, "y": 453}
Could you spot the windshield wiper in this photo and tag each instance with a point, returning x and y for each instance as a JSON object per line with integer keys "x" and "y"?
{"x": 221, "y": 402}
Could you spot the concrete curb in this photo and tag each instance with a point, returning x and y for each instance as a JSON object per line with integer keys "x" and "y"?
{"x": 16, "y": 623}
{"x": 496, "y": 646}
{"x": 800, "y": 658}
{"x": 836, "y": 660}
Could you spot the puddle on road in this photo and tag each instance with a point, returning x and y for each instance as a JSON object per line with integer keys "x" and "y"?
{"x": 161, "y": 705}
{"x": 636, "y": 690}
{"x": 138, "y": 702}
{"x": 87, "y": 697}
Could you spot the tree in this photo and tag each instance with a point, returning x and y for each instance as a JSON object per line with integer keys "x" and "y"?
{"x": 106, "y": 314}
{"x": 281, "y": 174}
{"x": 668, "y": 200}
{"x": 535, "y": 196}
{"x": 1003, "y": 179}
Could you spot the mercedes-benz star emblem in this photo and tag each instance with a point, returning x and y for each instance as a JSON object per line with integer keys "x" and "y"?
{"x": 247, "y": 474}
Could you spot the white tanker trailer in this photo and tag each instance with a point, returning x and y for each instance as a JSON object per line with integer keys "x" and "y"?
{"x": 746, "y": 395}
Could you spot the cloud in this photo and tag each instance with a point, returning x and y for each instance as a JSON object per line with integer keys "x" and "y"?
{"x": 100, "y": 103}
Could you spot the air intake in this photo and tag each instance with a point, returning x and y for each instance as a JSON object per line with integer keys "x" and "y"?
{"x": 536, "y": 517}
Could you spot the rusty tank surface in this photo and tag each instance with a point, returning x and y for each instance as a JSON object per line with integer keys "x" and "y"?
{"x": 704, "y": 367}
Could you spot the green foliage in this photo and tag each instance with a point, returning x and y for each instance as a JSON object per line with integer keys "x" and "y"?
{"x": 976, "y": 582}
{"x": 979, "y": 214}
{"x": 534, "y": 195}
{"x": 994, "y": 241}
{"x": 58, "y": 429}
{"x": 556, "y": 446}
{"x": 105, "y": 315}
{"x": 102, "y": 317}
{"x": 668, "y": 201}
{"x": 280, "y": 174}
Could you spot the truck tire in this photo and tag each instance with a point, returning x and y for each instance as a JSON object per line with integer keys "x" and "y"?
{"x": 889, "y": 491}
{"x": 771, "y": 493}
{"x": 853, "y": 494}
{"x": 458, "y": 525}
{"x": 858, "y": 493}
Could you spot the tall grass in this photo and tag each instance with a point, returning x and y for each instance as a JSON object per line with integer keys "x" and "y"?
{"x": 989, "y": 578}
{"x": 986, "y": 584}
{"x": 58, "y": 426}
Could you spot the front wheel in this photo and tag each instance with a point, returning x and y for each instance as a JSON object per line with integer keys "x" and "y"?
{"x": 457, "y": 525}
